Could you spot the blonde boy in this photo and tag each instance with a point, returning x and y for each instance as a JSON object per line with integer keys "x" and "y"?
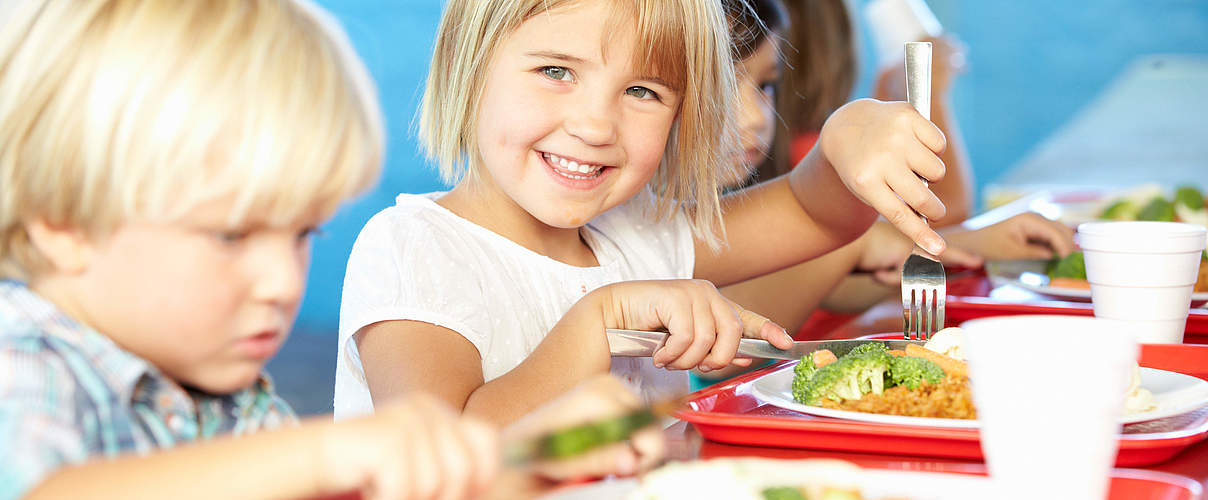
{"x": 162, "y": 165}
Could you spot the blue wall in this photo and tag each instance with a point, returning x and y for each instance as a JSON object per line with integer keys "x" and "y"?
{"x": 1032, "y": 63}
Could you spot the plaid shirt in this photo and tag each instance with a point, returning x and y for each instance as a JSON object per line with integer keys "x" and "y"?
{"x": 68, "y": 394}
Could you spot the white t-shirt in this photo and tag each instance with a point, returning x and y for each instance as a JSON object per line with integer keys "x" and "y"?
{"x": 418, "y": 261}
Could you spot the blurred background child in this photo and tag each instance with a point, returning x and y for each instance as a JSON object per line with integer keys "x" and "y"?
{"x": 163, "y": 167}
{"x": 790, "y": 296}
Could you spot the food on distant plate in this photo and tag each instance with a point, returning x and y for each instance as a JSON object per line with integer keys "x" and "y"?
{"x": 1070, "y": 272}
{"x": 754, "y": 479}
{"x": 1151, "y": 203}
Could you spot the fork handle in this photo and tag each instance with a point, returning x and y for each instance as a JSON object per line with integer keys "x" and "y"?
{"x": 918, "y": 82}
{"x": 918, "y": 77}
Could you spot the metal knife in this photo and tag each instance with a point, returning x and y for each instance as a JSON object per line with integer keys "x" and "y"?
{"x": 637, "y": 343}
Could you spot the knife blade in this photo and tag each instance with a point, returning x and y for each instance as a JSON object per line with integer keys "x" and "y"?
{"x": 638, "y": 343}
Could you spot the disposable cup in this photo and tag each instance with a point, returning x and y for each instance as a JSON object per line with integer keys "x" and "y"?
{"x": 1049, "y": 392}
{"x": 1143, "y": 272}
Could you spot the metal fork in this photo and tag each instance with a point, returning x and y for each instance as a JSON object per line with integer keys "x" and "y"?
{"x": 924, "y": 286}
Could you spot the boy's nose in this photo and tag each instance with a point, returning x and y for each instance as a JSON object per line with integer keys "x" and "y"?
{"x": 280, "y": 273}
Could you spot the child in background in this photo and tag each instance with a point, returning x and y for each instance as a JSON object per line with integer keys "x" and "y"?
{"x": 822, "y": 64}
{"x": 789, "y": 296}
{"x": 163, "y": 165}
{"x": 588, "y": 141}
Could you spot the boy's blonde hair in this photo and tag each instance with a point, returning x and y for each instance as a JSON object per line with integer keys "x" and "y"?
{"x": 119, "y": 109}
{"x": 685, "y": 42}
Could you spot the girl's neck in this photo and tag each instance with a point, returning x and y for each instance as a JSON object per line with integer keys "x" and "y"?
{"x": 495, "y": 211}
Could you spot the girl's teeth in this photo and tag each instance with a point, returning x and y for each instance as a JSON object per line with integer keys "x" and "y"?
{"x": 572, "y": 166}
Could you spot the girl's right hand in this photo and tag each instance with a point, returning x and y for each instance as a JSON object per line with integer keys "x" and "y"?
{"x": 704, "y": 326}
{"x": 415, "y": 448}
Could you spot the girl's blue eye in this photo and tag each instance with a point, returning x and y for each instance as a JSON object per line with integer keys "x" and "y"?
{"x": 556, "y": 73}
{"x": 768, "y": 88}
{"x": 641, "y": 93}
{"x": 231, "y": 237}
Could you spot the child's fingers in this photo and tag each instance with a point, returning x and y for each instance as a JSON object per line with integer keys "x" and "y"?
{"x": 1057, "y": 236}
{"x": 729, "y": 332}
{"x": 911, "y": 225}
{"x": 650, "y": 447}
{"x": 755, "y": 326}
{"x": 704, "y": 334}
{"x": 929, "y": 134}
{"x": 915, "y": 193}
{"x": 959, "y": 257}
{"x": 926, "y": 164}
{"x": 679, "y": 323}
{"x": 482, "y": 442}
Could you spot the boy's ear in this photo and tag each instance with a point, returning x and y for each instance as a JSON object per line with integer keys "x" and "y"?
{"x": 66, "y": 249}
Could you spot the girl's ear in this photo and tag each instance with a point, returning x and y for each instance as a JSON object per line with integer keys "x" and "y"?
{"x": 66, "y": 249}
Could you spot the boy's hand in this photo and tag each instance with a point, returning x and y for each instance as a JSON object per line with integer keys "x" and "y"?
{"x": 1025, "y": 236}
{"x": 595, "y": 399}
{"x": 417, "y": 447}
{"x": 704, "y": 326}
{"x": 880, "y": 150}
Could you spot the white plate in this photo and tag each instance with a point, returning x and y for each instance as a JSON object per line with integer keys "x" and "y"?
{"x": 1029, "y": 275}
{"x": 873, "y": 484}
{"x": 1175, "y": 393}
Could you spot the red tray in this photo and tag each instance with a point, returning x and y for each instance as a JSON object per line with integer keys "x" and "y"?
{"x": 969, "y": 298}
{"x": 729, "y": 413}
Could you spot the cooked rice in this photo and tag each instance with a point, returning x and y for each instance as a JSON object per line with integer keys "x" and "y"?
{"x": 950, "y": 398}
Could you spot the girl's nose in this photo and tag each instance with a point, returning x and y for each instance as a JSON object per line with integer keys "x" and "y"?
{"x": 594, "y": 124}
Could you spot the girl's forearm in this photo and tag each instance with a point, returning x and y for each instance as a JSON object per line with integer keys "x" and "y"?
{"x": 573, "y": 351}
{"x": 285, "y": 463}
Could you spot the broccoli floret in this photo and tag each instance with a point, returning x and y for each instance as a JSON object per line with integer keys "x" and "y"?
{"x": 1159, "y": 209}
{"x": 1072, "y": 266}
{"x": 850, "y": 377}
{"x": 911, "y": 370}
{"x": 802, "y": 373}
{"x": 871, "y": 347}
{"x": 1189, "y": 197}
{"x": 1121, "y": 210}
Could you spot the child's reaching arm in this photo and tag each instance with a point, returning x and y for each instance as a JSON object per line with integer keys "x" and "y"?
{"x": 403, "y": 356}
{"x": 870, "y": 158}
{"x": 416, "y": 448}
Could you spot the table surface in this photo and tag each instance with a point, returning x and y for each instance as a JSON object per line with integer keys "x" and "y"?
{"x": 685, "y": 443}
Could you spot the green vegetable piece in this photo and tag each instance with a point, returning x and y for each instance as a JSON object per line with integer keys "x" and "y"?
{"x": 851, "y": 377}
{"x": 1072, "y": 266}
{"x": 1189, "y": 197}
{"x": 1158, "y": 209}
{"x": 911, "y": 371}
{"x": 869, "y": 348}
{"x": 1120, "y": 210}
{"x": 577, "y": 440}
{"x": 783, "y": 493}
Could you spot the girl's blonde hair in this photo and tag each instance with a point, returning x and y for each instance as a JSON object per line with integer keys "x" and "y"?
{"x": 685, "y": 42}
{"x": 116, "y": 109}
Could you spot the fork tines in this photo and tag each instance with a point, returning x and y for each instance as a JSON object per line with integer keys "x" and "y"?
{"x": 923, "y": 294}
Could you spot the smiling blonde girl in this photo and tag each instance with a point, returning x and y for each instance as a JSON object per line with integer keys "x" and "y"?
{"x": 588, "y": 140}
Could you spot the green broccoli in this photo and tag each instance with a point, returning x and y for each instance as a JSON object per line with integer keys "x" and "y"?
{"x": 1159, "y": 209}
{"x": 1072, "y": 266}
{"x": 871, "y": 347}
{"x": 851, "y": 377}
{"x": 1121, "y": 210}
{"x": 802, "y": 373}
{"x": 1189, "y": 197}
{"x": 910, "y": 370}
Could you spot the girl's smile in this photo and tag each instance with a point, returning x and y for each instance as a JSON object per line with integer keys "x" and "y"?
{"x": 575, "y": 174}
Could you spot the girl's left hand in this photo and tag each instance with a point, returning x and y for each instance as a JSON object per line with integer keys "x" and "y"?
{"x": 880, "y": 150}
